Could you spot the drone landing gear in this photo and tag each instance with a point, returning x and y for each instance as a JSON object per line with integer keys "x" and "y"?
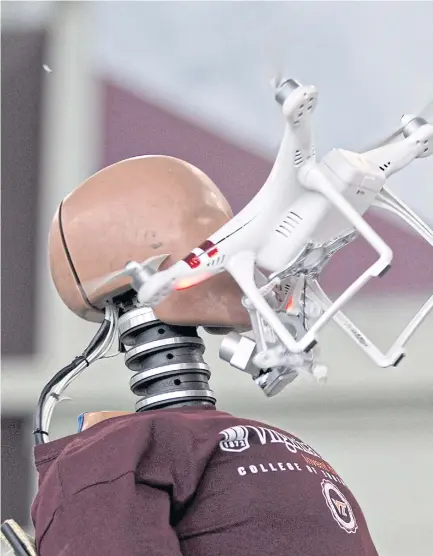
{"x": 274, "y": 364}
{"x": 241, "y": 266}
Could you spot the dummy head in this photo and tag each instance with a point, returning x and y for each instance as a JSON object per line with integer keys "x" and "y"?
{"x": 131, "y": 211}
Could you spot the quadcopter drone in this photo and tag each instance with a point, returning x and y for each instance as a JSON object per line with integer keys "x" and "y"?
{"x": 277, "y": 246}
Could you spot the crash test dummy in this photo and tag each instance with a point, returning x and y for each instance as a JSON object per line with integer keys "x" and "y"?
{"x": 177, "y": 476}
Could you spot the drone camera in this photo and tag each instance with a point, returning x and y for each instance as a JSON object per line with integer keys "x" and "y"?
{"x": 239, "y": 352}
{"x": 273, "y": 381}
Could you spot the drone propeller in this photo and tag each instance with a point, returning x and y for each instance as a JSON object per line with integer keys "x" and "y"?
{"x": 276, "y": 81}
{"x": 274, "y": 62}
{"x": 138, "y": 272}
{"x": 425, "y": 114}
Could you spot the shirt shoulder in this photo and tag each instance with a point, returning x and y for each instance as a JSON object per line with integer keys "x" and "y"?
{"x": 155, "y": 445}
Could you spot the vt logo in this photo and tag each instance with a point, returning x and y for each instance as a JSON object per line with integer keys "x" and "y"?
{"x": 340, "y": 508}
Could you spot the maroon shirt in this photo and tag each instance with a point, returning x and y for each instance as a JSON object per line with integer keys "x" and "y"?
{"x": 192, "y": 482}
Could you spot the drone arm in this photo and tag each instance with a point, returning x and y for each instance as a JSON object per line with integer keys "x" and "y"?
{"x": 393, "y": 158}
{"x": 396, "y": 156}
{"x": 298, "y": 106}
{"x": 303, "y": 133}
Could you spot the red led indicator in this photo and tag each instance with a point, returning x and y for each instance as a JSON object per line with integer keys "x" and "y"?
{"x": 212, "y": 252}
{"x": 289, "y": 303}
{"x": 190, "y": 281}
{"x": 192, "y": 260}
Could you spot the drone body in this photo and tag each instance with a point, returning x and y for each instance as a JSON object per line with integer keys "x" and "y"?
{"x": 276, "y": 247}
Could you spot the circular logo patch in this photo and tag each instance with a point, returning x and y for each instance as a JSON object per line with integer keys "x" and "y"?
{"x": 340, "y": 508}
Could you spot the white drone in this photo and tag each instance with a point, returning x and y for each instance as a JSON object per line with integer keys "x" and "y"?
{"x": 276, "y": 247}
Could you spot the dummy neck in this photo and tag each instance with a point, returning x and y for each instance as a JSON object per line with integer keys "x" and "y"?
{"x": 167, "y": 362}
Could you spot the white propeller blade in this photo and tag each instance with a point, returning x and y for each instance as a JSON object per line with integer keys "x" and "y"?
{"x": 132, "y": 269}
{"x": 426, "y": 114}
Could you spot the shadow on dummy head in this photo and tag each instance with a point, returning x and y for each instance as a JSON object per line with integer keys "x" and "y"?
{"x": 131, "y": 211}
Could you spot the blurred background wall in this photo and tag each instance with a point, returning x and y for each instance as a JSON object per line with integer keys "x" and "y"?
{"x": 192, "y": 80}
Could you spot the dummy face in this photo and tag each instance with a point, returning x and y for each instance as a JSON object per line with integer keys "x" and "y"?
{"x": 133, "y": 210}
